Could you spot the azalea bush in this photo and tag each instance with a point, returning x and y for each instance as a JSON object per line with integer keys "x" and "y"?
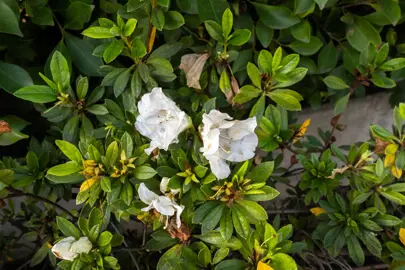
{"x": 152, "y": 134}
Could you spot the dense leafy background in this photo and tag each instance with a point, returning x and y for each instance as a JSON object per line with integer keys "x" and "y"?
{"x": 72, "y": 72}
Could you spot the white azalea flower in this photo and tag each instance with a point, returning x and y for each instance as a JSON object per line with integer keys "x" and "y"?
{"x": 227, "y": 140}
{"x": 68, "y": 248}
{"x": 83, "y": 245}
{"x": 160, "y": 120}
{"x": 164, "y": 186}
{"x": 164, "y": 205}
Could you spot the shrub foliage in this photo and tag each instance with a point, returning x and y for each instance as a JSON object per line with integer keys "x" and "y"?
{"x": 151, "y": 134}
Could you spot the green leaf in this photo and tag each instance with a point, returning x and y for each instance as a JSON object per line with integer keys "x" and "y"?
{"x": 166, "y": 50}
{"x": 382, "y": 81}
{"x": 335, "y": 83}
{"x": 309, "y": 48}
{"x": 391, "y": 10}
{"x": 9, "y": 18}
{"x": 247, "y": 93}
{"x": 264, "y": 34}
{"x": 232, "y": 264}
{"x": 382, "y": 54}
{"x": 97, "y": 109}
{"x": 240, "y": 223}
{"x": 290, "y": 78}
{"x": 130, "y": 27}
{"x": 82, "y": 87}
{"x": 13, "y": 77}
{"x": 393, "y": 64}
{"x": 211, "y": 220}
{"x": 113, "y": 50}
{"x": 224, "y": 82}
{"x": 158, "y": 18}
{"x": 68, "y": 179}
{"x": 138, "y": 48}
{"x": 36, "y": 93}
{"x": 127, "y": 144}
{"x": 77, "y": 14}
{"x": 60, "y": 70}
{"x": 105, "y": 184}
{"x": 276, "y": 17}
{"x": 261, "y": 172}
{"x": 111, "y": 154}
{"x": 215, "y": 238}
{"x": 65, "y": 169}
{"x": 144, "y": 172}
{"x": 355, "y": 250}
{"x": 302, "y": 31}
{"x": 321, "y": 3}
{"x": 41, "y": 253}
{"x": 211, "y": 9}
{"x": 104, "y": 238}
{"x": 386, "y": 220}
{"x": 381, "y": 133}
{"x": 254, "y": 209}
{"x": 327, "y": 58}
{"x": 121, "y": 82}
{"x": 227, "y": 23}
{"x": 67, "y": 228}
{"x": 98, "y": 32}
{"x": 173, "y": 20}
{"x": 265, "y": 60}
{"x": 280, "y": 261}
{"x": 361, "y": 33}
{"x": 258, "y": 108}
{"x": 70, "y": 151}
{"x": 221, "y": 254}
{"x": 81, "y": 52}
{"x": 341, "y": 104}
{"x": 226, "y": 225}
{"x": 270, "y": 236}
{"x": 114, "y": 109}
{"x": 254, "y": 75}
{"x": 214, "y": 30}
{"x": 285, "y": 100}
{"x": 203, "y": 210}
{"x": 394, "y": 196}
{"x": 239, "y": 37}
{"x": 372, "y": 243}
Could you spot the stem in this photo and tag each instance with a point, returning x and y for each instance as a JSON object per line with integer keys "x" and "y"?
{"x": 126, "y": 245}
{"x": 19, "y": 193}
{"x": 194, "y": 34}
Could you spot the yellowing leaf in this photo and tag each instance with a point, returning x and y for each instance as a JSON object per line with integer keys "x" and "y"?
{"x": 389, "y": 160}
{"x": 396, "y": 172}
{"x": 391, "y": 149}
{"x": 402, "y": 236}
{"x": 318, "y": 211}
{"x": 263, "y": 266}
{"x": 88, "y": 183}
{"x": 302, "y": 130}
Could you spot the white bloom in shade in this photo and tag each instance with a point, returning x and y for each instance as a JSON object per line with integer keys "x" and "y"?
{"x": 164, "y": 186}
{"x": 164, "y": 205}
{"x": 68, "y": 248}
{"x": 160, "y": 120}
{"x": 227, "y": 140}
{"x": 83, "y": 245}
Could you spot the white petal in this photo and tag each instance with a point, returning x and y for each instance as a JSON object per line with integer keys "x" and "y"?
{"x": 83, "y": 245}
{"x": 219, "y": 167}
{"x": 213, "y": 120}
{"x": 211, "y": 142}
{"x": 148, "y": 208}
{"x": 160, "y": 120}
{"x": 146, "y": 195}
{"x": 164, "y": 206}
{"x": 241, "y": 150}
{"x": 242, "y": 128}
{"x": 62, "y": 249}
{"x": 179, "y": 210}
{"x": 163, "y": 184}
